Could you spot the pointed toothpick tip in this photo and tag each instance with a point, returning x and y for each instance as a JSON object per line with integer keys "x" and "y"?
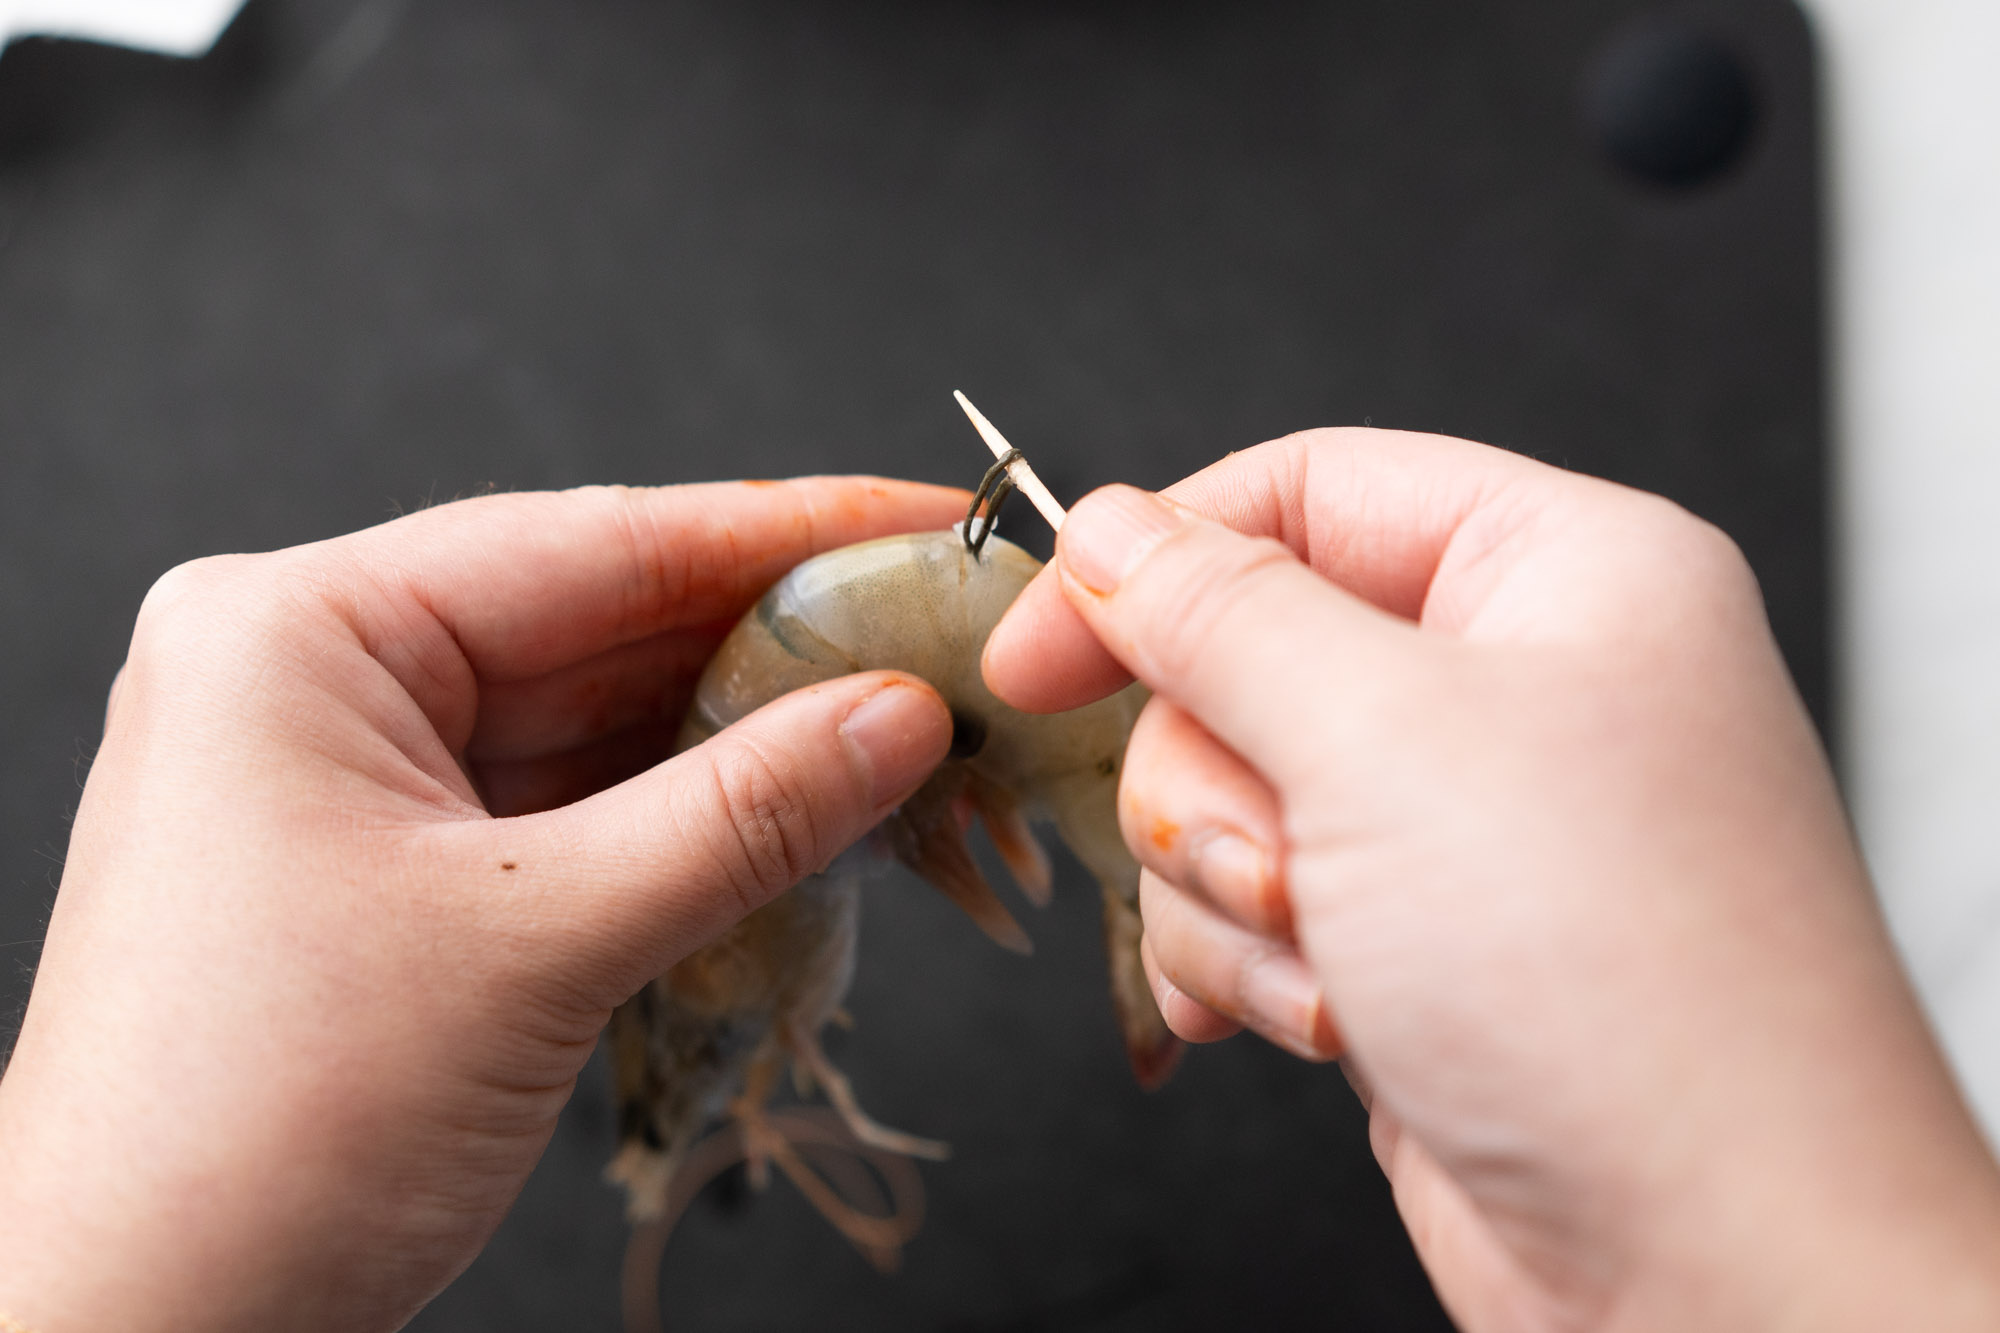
{"x": 1018, "y": 471}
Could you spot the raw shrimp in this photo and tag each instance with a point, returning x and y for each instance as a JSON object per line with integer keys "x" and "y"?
{"x": 709, "y": 1039}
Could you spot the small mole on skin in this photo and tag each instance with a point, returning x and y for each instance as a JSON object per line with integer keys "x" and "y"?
{"x": 506, "y": 865}
{"x": 1163, "y": 833}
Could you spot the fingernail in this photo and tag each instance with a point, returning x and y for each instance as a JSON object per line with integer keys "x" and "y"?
{"x": 1283, "y": 1001}
{"x": 1110, "y": 532}
{"x": 1233, "y": 872}
{"x": 891, "y": 741}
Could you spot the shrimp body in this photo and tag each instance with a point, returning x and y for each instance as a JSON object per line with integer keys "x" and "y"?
{"x": 709, "y": 1034}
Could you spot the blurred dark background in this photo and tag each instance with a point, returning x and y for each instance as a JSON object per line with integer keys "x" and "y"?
{"x": 373, "y": 254}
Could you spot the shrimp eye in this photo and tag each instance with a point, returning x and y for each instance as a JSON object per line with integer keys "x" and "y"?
{"x": 968, "y": 735}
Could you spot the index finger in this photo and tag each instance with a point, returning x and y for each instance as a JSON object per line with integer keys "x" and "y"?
{"x": 1374, "y": 511}
{"x": 529, "y": 583}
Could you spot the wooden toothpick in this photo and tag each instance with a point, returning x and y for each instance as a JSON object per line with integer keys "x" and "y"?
{"x": 1018, "y": 471}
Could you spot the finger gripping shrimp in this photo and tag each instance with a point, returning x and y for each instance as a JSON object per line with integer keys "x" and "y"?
{"x": 710, "y": 1037}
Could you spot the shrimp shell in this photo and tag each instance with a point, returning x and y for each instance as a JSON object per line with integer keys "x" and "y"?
{"x": 925, "y": 604}
{"x": 706, "y": 1039}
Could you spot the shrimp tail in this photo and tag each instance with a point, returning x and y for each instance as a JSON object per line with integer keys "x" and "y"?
{"x": 1150, "y": 1045}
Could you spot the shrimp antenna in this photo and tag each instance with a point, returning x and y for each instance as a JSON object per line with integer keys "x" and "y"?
{"x": 1009, "y": 458}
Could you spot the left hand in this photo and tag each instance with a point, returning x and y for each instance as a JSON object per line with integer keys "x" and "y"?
{"x": 381, "y": 830}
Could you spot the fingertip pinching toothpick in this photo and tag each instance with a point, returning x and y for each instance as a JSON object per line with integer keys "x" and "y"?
{"x": 1018, "y": 471}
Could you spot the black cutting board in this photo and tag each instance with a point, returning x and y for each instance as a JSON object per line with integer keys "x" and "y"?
{"x": 365, "y": 256}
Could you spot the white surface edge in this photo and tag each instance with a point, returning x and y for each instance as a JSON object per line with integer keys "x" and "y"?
{"x": 1913, "y": 142}
{"x": 170, "y": 27}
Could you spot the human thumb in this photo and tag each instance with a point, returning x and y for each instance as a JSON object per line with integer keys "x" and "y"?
{"x": 638, "y": 876}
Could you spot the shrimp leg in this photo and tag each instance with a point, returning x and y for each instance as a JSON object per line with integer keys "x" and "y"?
{"x": 806, "y": 1050}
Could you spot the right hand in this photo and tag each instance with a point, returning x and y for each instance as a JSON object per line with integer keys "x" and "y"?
{"x": 1493, "y": 773}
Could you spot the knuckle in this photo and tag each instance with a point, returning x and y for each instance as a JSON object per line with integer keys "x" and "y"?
{"x": 111, "y": 695}
{"x": 660, "y": 575}
{"x": 193, "y": 604}
{"x": 191, "y": 585}
{"x": 1692, "y": 557}
{"x": 769, "y": 823}
{"x": 1717, "y": 561}
{"x": 1208, "y": 593}
{"x": 1139, "y": 793}
{"x": 1173, "y": 929}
